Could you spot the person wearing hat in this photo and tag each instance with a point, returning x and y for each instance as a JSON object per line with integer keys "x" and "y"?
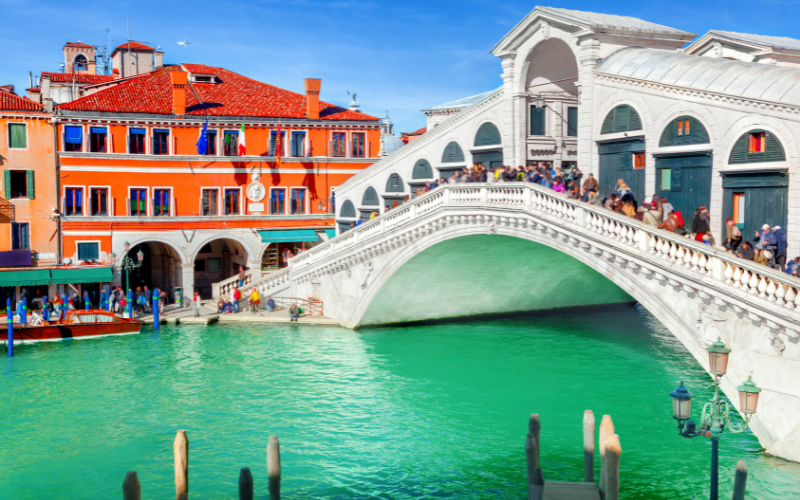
{"x": 762, "y": 237}
{"x": 778, "y": 246}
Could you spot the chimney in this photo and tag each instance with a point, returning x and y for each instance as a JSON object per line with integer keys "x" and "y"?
{"x": 92, "y": 69}
{"x": 312, "y": 97}
{"x": 178, "y": 79}
{"x": 158, "y": 59}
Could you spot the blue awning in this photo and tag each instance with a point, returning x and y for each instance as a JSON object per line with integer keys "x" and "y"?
{"x": 73, "y": 135}
{"x": 331, "y": 233}
{"x": 288, "y": 236}
{"x": 98, "y": 130}
{"x": 134, "y": 131}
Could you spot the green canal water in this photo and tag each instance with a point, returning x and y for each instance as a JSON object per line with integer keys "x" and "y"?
{"x": 435, "y": 411}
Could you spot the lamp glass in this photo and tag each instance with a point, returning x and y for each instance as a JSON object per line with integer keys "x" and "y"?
{"x": 718, "y": 358}
{"x": 681, "y": 403}
{"x": 126, "y": 246}
{"x": 539, "y": 102}
{"x": 140, "y": 255}
{"x": 113, "y": 258}
{"x": 748, "y": 397}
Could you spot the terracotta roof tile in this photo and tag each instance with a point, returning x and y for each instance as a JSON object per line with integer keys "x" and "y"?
{"x": 79, "y": 45}
{"x": 234, "y": 95}
{"x": 134, "y": 46}
{"x": 77, "y": 78}
{"x": 12, "y": 102}
{"x": 418, "y": 132}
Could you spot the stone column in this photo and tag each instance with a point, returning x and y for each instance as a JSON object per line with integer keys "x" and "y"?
{"x": 508, "y": 128}
{"x": 187, "y": 281}
{"x": 587, "y": 60}
{"x": 255, "y": 269}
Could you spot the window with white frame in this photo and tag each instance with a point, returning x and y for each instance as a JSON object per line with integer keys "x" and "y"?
{"x": 98, "y": 139}
{"x": 73, "y": 201}
{"x": 17, "y": 136}
{"x": 137, "y": 139}
{"x": 277, "y": 201}
{"x": 138, "y": 202}
{"x": 339, "y": 144}
{"x": 231, "y": 197}
{"x": 89, "y": 250}
{"x": 160, "y": 142}
{"x": 73, "y": 138}
{"x": 20, "y": 235}
{"x": 298, "y": 201}
{"x": 210, "y": 201}
{"x": 298, "y": 144}
{"x": 358, "y": 147}
{"x": 162, "y": 198}
{"x": 98, "y": 200}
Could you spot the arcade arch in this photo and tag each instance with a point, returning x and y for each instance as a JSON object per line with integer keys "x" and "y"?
{"x": 217, "y": 260}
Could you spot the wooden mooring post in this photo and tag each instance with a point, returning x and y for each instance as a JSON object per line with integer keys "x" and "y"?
{"x": 740, "y": 481}
{"x": 606, "y": 431}
{"x": 613, "y": 451}
{"x": 131, "y": 489}
{"x": 532, "y": 450}
{"x": 245, "y": 484}
{"x": 588, "y": 446}
{"x": 181, "y": 448}
{"x": 274, "y": 468}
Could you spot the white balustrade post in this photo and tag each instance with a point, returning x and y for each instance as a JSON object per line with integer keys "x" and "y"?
{"x": 446, "y": 196}
{"x": 718, "y": 268}
{"x": 484, "y": 195}
{"x": 527, "y": 196}
{"x": 580, "y": 216}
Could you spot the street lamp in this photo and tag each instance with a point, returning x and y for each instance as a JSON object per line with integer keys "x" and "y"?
{"x": 127, "y": 263}
{"x": 716, "y": 414}
{"x": 539, "y": 101}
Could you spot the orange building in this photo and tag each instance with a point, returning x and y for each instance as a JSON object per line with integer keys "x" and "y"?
{"x": 131, "y": 172}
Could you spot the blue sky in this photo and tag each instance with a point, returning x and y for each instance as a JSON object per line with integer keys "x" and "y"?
{"x": 399, "y": 56}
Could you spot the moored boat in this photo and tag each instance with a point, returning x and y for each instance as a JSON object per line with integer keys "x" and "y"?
{"x": 88, "y": 323}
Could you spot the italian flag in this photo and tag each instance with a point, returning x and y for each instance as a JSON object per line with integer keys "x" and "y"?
{"x": 241, "y": 151}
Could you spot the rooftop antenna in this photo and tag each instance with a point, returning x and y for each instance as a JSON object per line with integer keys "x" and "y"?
{"x": 130, "y": 61}
{"x": 106, "y": 52}
{"x": 186, "y": 44}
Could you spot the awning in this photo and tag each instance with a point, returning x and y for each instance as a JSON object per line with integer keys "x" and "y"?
{"x": 78, "y": 275}
{"x": 289, "y": 236}
{"x": 331, "y": 233}
{"x": 73, "y": 134}
{"x": 19, "y": 277}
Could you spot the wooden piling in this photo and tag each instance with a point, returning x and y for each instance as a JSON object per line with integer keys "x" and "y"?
{"x": 245, "y": 484}
{"x": 740, "y": 481}
{"x": 181, "y": 447}
{"x": 613, "y": 452}
{"x": 274, "y": 468}
{"x": 131, "y": 489}
{"x": 538, "y": 484}
{"x": 532, "y": 449}
{"x": 606, "y": 430}
{"x": 588, "y": 446}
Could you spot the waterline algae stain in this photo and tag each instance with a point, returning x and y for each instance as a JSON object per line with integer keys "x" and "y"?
{"x": 402, "y": 413}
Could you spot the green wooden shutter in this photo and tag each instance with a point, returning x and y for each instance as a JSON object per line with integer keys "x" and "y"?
{"x": 622, "y": 116}
{"x": 624, "y": 160}
{"x": 17, "y": 136}
{"x": 699, "y": 132}
{"x": 668, "y": 136}
{"x": 537, "y": 121}
{"x": 7, "y": 184}
{"x": 488, "y": 134}
{"x": 453, "y": 153}
{"x": 739, "y": 151}
{"x": 774, "y": 149}
{"x": 422, "y": 170}
{"x": 608, "y": 123}
{"x": 31, "y": 190}
{"x": 348, "y": 210}
{"x": 370, "y": 197}
{"x": 676, "y": 179}
{"x": 634, "y": 122}
{"x": 572, "y": 122}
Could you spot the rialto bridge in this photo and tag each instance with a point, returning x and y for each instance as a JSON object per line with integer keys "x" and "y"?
{"x": 471, "y": 249}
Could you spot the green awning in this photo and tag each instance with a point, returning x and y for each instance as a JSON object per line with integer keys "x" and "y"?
{"x": 78, "y": 275}
{"x": 20, "y": 277}
{"x": 289, "y": 236}
{"x": 331, "y": 233}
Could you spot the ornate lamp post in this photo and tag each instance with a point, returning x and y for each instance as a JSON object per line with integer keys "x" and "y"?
{"x": 716, "y": 414}
{"x": 127, "y": 263}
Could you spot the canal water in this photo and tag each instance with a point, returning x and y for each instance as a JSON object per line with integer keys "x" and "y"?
{"x": 435, "y": 411}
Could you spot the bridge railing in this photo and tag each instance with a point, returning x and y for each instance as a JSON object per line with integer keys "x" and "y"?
{"x": 755, "y": 279}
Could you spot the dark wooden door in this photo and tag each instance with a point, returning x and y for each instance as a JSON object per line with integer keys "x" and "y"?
{"x": 766, "y": 196}
{"x": 616, "y": 162}
{"x": 685, "y": 180}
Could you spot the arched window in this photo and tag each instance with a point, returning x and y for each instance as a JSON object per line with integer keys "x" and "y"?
{"x": 756, "y": 146}
{"x": 422, "y": 170}
{"x": 348, "y": 210}
{"x": 394, "y": 184}
{"x": 623, "y": 118}
{"x": 684, "y": 130}
{"x": 487, "y": 135}
{"x": 370, "y": 198}
{"x": 81, "y": 64}
{"x": 453, "y": 153}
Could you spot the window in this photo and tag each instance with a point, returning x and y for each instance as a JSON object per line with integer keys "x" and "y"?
{"x": 538, "y": 120}
{"x": 231, "y": 202}
{"x": 98, "y": 138}
{"x": 99, "y": 201}
{"x": 666, "y": 179}
{"x": 73, "y": 138}
{"x": 231, "y": 144}
{"x": 756, "y": 142}
{"x": 160, "y": 142}
{"x": 17, "y": 136}
{"x": 358, "y": 145}
{"x": 684, "y": 127}
{"x": 161, "y": 202}
{"x": 298, "y": 201}
{"x": 273, "y": 143}
{"x": 18, "y": 183}
{"x": 210, "y": 201}
{"x": 20, "y": 236}
{"x": 211, "y": 149}
{"x": 200, "y": 265}
{"x": 298, "y": 144}
{"x": 277, "y": 201}
{"x": 572, "y": 122}
{"x": 81, "y": 64}
{"x": 138, "y": 202}
{"x": 339, "y": 145}
{"x": 738, "y": 208}
{"x": 89, "y": 251}
{"x": 136, "y": 141}
{"x": 73, "y": 201}
{"x": 638, "y": 160}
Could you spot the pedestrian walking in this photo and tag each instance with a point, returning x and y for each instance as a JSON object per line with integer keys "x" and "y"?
{"x": 196, "y": 304}
{"x": 237, "y": 295}
{"x": 162, "y": 302}
{"x": 242, "y": 276}
{"x": 148, "y": 296}
{"x": 255, "y": 300}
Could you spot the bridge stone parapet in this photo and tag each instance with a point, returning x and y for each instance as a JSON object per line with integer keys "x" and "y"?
{"x": 698, "y": 292}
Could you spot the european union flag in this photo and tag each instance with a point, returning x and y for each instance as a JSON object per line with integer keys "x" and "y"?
{"x": 202, "y": 142}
